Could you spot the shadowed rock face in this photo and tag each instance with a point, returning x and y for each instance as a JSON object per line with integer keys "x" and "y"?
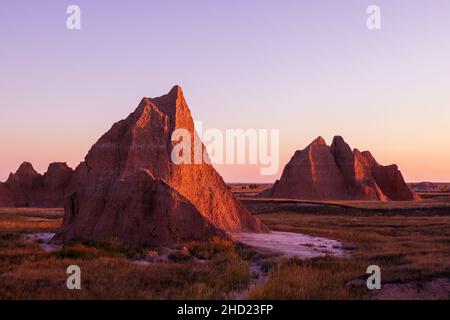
{"x": 23, "y": 185}
{"x": 137, "y": 208}
{"x": 55, "y": 181}
{"x": 320, "y": 172}
{"x": 27, "y": 188}
{"x": 345, "y": 161}
{"x": 168, "y": 202}
{"x": 391, "y": 181}
{"x": 6, "y": 199}
{"x": 313, "y": 173}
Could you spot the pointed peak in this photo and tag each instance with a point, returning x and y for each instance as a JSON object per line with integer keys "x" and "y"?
{"x": 167, "y": 103}
{"x": 176, "y": 91}
{"x": 338, "y": 140}
{"x": 174, "y": 97}
{"x": 26, "y": 168}
{"x": 369, "y": 158}
{"x": 340, "y": 147}
{"x": 319, "y": 141}
{"x": 367, "y": 154}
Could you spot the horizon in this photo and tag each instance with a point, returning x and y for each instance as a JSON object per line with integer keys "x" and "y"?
{"x": 384, "y": 91}
{"x": 229, "y": 182}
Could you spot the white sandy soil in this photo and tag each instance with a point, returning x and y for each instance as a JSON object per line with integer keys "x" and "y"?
{"x": 43, "y": 239}
{"x": 291, "y": 244}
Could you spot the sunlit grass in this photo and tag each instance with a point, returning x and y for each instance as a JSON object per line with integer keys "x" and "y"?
{"x": 27, "y": 272}
{"x": 407, "y": 249}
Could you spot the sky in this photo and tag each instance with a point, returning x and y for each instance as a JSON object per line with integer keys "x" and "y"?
{"x": 307, "y": 68}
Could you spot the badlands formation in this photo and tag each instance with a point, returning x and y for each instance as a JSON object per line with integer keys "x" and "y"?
{"x": 322, "y": 172}
{"x": 27, "y": 188}
{"x": 129, "y": 188}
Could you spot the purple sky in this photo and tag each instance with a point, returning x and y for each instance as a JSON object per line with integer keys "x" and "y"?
{"x": 309, "y": 68}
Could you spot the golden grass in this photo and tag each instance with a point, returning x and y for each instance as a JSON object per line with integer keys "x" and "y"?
{"x": 27, "y": 272}
{"x": 117, "y": 278}
{"x": 393, "y": 204}
{"x": 21, "y": 220}
{"x": 321, "y": 278}
{"x": 407, "y": 249}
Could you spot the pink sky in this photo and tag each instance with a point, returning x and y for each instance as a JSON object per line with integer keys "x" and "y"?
{"x": 308, "y": 68}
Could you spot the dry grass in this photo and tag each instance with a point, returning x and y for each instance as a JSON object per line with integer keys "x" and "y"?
{"x": 425, "y": 203}
{"x": 116, "y": 278}
{"x": 16, "y": 221}
{"x": 408, "y": 249}
{"x": 27, "y": 272}
{"x": 321, "y": 278}
{"x": 412, "y": 251}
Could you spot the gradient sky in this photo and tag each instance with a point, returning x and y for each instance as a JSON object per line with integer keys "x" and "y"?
{"x": 309, "y": 68}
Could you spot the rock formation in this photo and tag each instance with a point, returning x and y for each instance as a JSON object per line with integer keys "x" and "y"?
{"x": 24, "y": 184}
{"x": 391, "y": 182}
{"x": 129, "y": 188}
{"x": 6, "y": 199}
{"x": 28, "y": 188}
{"x": 320, "y": 172}
{"x": 55, "y": 181}
{"x": 312, "y": 173}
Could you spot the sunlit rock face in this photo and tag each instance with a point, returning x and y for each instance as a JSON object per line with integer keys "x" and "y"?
{"x": 128, "y": 186}
{"x": 322, "y": 172}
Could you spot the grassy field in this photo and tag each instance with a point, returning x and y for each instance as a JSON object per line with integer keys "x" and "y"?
{"x": 409, "y": 241}
{"x": 215, "y": 270}
{"x": 412, "y": 251}
{"x": 413, "y": 254}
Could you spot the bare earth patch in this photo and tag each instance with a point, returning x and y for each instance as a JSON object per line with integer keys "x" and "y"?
{"x": 292, "y": 244}
{"x": 43, "y": 239}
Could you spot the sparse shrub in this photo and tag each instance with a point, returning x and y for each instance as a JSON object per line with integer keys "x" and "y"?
{"x": 214, "y": 247}
{"x": 78, "y": 251}
{"x": 246, "y": 252}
